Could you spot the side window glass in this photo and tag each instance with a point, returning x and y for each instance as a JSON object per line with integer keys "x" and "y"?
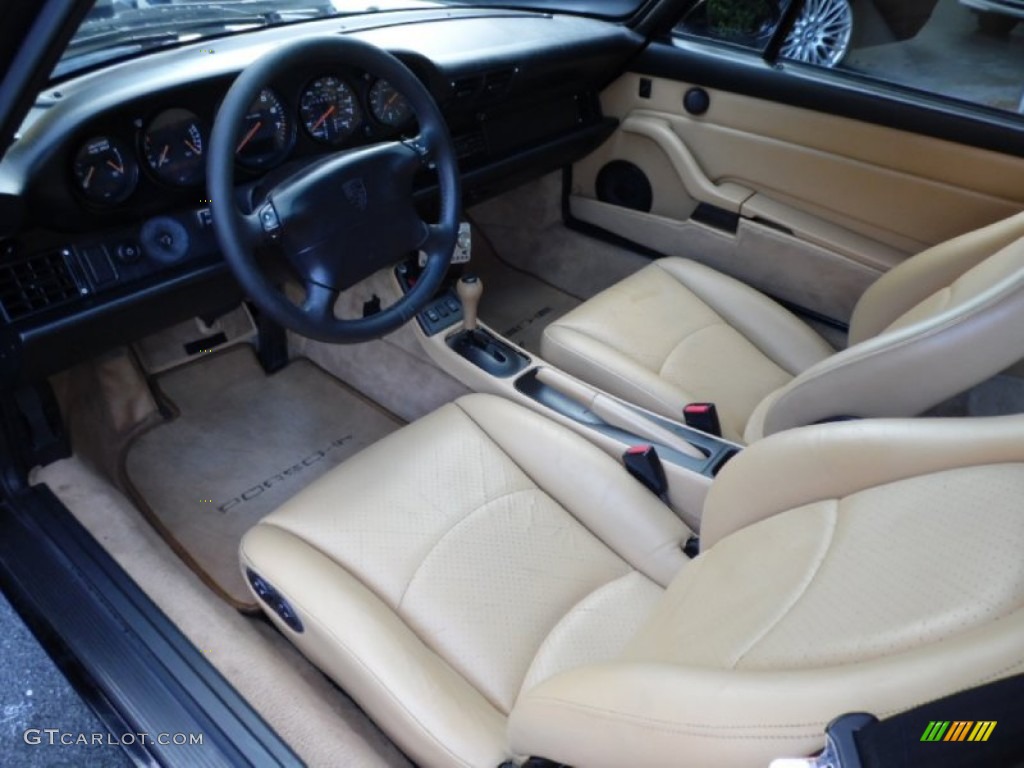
{"x": 744, "y": 23}
{"x": 970, "y": 50}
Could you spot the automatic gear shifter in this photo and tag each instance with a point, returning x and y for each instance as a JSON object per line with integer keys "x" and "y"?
{"x": 478, "y": 345}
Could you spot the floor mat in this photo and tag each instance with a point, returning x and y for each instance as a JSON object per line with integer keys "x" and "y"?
{"x": 242, "y": 444}
{"x": 516, "y": 304}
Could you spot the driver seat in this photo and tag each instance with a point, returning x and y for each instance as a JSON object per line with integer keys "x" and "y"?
{"x": 489, "y": 585}
{"x": 678, "y": 332}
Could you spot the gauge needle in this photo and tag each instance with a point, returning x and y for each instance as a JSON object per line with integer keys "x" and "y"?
{"x": 193, "y": 147}
{"x": 88, "y": 177}
{"x": 323, "y": 117}
{"x": 115, "y": 166}
{"x": 248, "y": 136}
{"x": 391, "y": 99}
{"x": 163, "y": 155}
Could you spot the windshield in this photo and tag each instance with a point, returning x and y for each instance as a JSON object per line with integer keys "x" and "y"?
{"x": 115, "y": 29}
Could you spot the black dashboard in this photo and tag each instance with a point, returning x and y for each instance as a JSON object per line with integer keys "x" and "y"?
{"x": 105, "y": 228}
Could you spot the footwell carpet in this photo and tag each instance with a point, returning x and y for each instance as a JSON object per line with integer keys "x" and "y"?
{"x": 516, "y": 304}
{"x": 241, "y": 444}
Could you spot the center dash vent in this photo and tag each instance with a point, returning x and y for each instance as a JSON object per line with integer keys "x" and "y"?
{"x": 36, "y": 283}
{"x": 482, "y": 86}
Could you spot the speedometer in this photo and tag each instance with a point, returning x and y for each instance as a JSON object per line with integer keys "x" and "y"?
{"x": 265, "y": 135}
{"x": 329, "y": 110}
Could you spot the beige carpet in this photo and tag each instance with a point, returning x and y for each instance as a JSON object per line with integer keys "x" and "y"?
{"x": 323, "y": 725}
{"x": 525, "y": 226}
{"x": 394, "y": 371}
{"x": 242, "y": 444}
{"x": 516, "y": 304}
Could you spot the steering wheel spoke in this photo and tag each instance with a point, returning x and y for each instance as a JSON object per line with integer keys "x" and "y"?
{"x": 421, "y": 145}
{"x": 320, "y": 301}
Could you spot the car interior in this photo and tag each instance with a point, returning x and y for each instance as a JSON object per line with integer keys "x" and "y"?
{"x": 488, "y": 386}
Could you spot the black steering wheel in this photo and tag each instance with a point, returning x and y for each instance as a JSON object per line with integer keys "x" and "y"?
{"x": 340, "y": 219}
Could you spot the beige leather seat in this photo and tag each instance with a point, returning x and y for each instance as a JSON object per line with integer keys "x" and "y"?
{"x": 678, "y": 332}
{"x": 488, "y": 585}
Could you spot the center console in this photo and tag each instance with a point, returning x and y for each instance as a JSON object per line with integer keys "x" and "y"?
{"x": 451, "y": 335}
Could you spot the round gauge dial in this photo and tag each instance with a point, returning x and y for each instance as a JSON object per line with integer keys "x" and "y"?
{"x": 388, "y": 105}
{"x": 105, "y": 170}
{"x": 173, "y": 145}
{"x": 266, "y": 134}
{"x": 329, "y": 110}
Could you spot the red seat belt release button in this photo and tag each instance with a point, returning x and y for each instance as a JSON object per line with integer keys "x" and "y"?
{"x": 644, "y": 464}
{"x": 703, "y": 416}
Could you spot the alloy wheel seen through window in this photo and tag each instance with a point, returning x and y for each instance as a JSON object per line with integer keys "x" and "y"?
{"x": 821, "y": 33}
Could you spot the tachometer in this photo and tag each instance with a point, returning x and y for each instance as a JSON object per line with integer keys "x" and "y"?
{"x": 329, "y": 110}
{"x": 105, "y": 170}
{"x": 388, "y": 106}
{"x": 266, "y": 135}
{"x": 173, "y": 144}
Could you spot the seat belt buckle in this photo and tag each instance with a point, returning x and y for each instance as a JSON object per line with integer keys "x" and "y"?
{"x": 643, "y": 463}
{"x": 703, "y": 416}
{"x": 840, "y": 746}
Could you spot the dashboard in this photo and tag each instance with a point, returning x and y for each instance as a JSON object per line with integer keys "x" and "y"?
{"x": 105, "y": 226}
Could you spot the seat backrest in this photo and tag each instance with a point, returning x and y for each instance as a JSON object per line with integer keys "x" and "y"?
{"x": 864, "y": 566}
{"x": 939, "y": 323}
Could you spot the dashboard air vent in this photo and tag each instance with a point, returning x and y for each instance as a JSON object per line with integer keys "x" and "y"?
{"x": 35, "y": 283}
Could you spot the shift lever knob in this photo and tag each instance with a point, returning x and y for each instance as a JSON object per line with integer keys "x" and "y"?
{"x": 469, "y": 288}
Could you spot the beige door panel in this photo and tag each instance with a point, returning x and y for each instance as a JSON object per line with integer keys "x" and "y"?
{"x": 844, "y": 200}
{"x": 906, "y": 190}
{"x": 816, "y": 229}
{"x": 801, "y": 272}
{"x": 899, "y": 209}
{"x": 671, "y": 167}
{"x": 728, "y": 196}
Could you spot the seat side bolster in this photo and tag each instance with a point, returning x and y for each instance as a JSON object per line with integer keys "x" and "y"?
{"x": 828, "y": 461}
{"x": 917, "y": 278}
{"x": 433, "y": 713}
{"x": 776, "y": 332}
{"x": 663, "y": 714}
{"x": 656, "y": 714}
{"x": 589, "y": 484}
{"x": 905, "y": 371}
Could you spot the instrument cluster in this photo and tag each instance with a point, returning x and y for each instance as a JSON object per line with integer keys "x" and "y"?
{"x": 327, "y": 112}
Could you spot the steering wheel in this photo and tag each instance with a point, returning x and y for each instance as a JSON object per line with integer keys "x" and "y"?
{"x": 342, "y": 218}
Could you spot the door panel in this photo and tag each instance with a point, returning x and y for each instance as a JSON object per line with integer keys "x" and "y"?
{"x": 826, "y": 203}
